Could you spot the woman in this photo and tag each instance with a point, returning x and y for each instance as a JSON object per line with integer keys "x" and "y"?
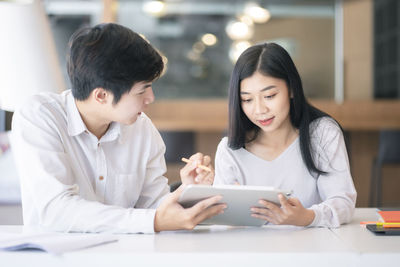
{"x": 276, "y": 138}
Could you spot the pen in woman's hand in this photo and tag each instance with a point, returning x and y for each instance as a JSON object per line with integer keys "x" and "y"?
{"x": 198, "y": 165}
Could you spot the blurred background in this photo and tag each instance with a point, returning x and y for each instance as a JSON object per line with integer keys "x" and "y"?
{"x": 347, "y": 53}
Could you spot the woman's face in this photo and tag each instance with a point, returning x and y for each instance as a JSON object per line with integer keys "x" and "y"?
{"x": 266, "y": 102}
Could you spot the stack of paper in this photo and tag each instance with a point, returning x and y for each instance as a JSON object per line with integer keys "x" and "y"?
{"x": 55, "y": 243}
{"x": 388, "y": 224}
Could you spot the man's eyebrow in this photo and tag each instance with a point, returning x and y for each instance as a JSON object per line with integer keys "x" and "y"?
{"x": 262, "y": 90}
{"x": 144, "y": 86}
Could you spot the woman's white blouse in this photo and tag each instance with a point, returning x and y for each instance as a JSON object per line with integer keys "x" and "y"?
{"x": 331, "y": 196}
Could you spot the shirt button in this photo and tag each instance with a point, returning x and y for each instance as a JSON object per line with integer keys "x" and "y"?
{"x": 101, "y": 178}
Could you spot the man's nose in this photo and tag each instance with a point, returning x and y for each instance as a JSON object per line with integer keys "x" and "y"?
{"x": 149, "y": 96}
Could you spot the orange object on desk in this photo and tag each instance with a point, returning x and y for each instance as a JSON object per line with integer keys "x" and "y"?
{"x": 385, "y": 225}
{"x": 390, "y": 216}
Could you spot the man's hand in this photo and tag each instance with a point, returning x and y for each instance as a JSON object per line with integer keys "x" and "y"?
{"x": 291, "y": 212}
{"x": 192, "y": 174}
{"x": 170, "y": 215}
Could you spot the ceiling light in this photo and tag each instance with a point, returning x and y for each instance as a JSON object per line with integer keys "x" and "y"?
{"x": 238, "y": 30}
{"x": 257, "y": 13}
{"x": 209, "y": 39}
{"x": 154, "y": 8}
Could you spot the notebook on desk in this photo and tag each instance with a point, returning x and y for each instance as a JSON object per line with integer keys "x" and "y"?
{"x": 380, "y": 230}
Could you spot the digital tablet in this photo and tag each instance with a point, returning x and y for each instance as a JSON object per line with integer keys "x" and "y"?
{"x": 239, "y": 200}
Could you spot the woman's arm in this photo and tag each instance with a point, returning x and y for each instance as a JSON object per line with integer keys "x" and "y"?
{"x": 335, "y": 188}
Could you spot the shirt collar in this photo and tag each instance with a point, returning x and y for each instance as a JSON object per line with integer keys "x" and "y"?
{"x": 113, "y": 132}
{"x": 75, "y": 123}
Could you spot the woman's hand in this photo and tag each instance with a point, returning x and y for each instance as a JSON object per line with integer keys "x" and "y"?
{"x": 291, "y": 212}
{"x": 192, "y": 174}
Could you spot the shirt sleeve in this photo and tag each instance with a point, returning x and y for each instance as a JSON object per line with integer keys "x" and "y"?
{"x": 225, "y": 167}
{"x": 50, "y": 193}
{"x": 155, "y": 187}
{"x": 336, "y": 188}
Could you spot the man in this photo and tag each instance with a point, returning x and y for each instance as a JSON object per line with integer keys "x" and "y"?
{"x": 89, "y": 159}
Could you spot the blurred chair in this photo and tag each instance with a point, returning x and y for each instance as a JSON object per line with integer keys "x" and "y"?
{"x": 388, "y": 153}
{"x": 178, "y": 145}
{"x": 174, "y": 186}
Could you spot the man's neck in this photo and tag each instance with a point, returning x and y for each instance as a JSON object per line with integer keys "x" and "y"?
{"x": 90, "y": 116}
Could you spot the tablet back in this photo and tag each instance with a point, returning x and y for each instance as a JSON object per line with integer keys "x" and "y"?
{"x": 239, "y": 199}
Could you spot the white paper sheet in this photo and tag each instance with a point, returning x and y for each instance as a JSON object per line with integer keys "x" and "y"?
{"x": 55, "y": 243}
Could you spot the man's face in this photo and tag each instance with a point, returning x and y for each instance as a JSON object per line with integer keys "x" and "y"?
{"x": 132, "y": 103}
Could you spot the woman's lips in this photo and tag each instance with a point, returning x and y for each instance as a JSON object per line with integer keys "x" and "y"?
{"x": 266, "y": 122}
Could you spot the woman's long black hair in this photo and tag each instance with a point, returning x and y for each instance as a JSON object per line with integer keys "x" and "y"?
{"x": 272, "y": 60}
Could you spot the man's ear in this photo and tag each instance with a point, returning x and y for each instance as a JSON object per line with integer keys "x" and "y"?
{"x": 100, "y": 95}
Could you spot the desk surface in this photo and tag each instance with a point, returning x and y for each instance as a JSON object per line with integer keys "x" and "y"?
{"x": 350, "y": 245}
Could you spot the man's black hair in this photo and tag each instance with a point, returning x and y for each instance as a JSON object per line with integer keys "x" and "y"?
{"x": 112, "y": 57}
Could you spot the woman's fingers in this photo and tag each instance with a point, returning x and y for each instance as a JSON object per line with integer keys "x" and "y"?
{"x": 271, "y": 211}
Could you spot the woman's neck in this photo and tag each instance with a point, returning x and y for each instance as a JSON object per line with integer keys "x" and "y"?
{"x": 270, "y": 145}
{"x": 280, "y": 138}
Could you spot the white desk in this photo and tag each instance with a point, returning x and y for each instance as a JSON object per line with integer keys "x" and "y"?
{"x": 372, "y": 250}
{"x": 350, "y": 245}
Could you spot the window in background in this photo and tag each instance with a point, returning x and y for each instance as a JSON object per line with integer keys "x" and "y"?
{"x": 199, "y": 67}
{"x": 310, "y": 42}
{"x": 387, "y": 48}
{"x": 63, "y": 26}
{"x": 305, "y": 28}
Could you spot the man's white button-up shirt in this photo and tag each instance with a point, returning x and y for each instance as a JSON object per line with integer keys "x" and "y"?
{"x": 72, "y": 181}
